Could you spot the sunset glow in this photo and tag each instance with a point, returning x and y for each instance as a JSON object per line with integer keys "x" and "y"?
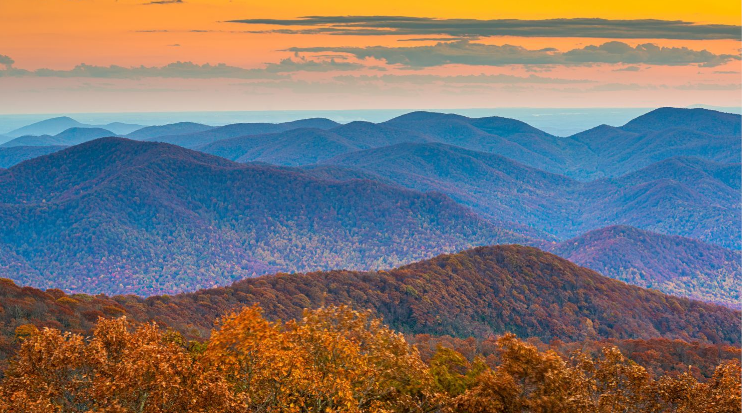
{"x": 42, "y": 42}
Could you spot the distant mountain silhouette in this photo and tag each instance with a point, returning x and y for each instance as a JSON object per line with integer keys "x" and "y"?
{"x": 16, "y": 154}
{"x": 372, "y": 135}
{"x": 119, "y": 128}
{"x": 57, "y": 125}
{"x": 621, "y": 152}
{"x": 506, "y": 137}
{"x": 603, "y": 151}
{"x": 699, "y": 120}
{"x": 51, "y": 126}
{"x": 179, "y": 128}
{"x": 297, "y": 147}
{"x": 671, "y": 264}
{"x": 291, "y": 148}
{"x": 193, "y": 140}
{"x": 71, "y": 136}
{"x": 121, "y": 216}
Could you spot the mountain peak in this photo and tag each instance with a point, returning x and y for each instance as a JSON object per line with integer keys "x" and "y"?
{"x": 701, "y": 120}
{"x": 50, "y": 126}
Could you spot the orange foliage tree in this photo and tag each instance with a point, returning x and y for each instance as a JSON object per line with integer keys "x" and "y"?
{"x": 333, "y": 359}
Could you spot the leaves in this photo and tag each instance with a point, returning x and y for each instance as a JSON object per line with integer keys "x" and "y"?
{"x": 333, "y": 359}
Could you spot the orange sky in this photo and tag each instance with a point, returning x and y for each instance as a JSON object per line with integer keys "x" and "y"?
{"x": 59, "y": 34}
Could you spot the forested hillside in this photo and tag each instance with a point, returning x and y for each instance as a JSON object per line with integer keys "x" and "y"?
{"x": 680, "y": 196}
{"x": 673, "y": 265}
{"x": 333, "y": 359}
{"x": 17, "y": 154}
{"x": 478, "y": 293}
{"x": 121, "y": 216}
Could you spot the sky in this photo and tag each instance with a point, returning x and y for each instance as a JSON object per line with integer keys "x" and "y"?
{"x": 202, "y": 55}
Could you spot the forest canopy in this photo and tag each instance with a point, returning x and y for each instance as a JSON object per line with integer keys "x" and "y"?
{"x": 334, "y": 359}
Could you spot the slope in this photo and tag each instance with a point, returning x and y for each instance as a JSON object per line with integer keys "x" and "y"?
{"x": 478, "y": 292}
{"x": 121, "y": 216}
{"x": 179, "y": 128}
{"x": 16, "y": 154}
{"x": 682, "y": 196}
{"x": 72, "y": 136}
{"x": 670, "y": 264}
{"x": 192, "y": 140}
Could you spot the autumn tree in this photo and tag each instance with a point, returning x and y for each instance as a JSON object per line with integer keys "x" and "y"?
{"x": 333, "y": 359}
{"x": 119, "y": 369}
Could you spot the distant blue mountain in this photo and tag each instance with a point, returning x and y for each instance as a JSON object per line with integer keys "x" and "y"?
{"x": 71, "y": 136}
{"x": 684, "y": 196}
{"x": 57, "y": 125}
{"x": 170, "y": 219}
{"x": 193, "y": 140}
{"x": 671, "y": 264}
{"x": 180, "y": 128}
{"x": 17, "y": 154}
{"x": 699, "y": 120}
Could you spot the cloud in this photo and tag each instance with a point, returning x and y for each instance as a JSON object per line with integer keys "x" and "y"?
{"x": 6, "y": 61}
{"x": 709, "y": 86}
{"x": 462, "y": 79}
{"x": 469, "y": 53}
{"x": 618, "y": 52}
{"x": 628, "y": 69}
{"x": 164, "y": 2}
{"x": 436, "y": 39}
{"x": 289, "y": 65}
{"x": 185, "y": 70}
{"x": 473, "y": 28}
{"x": 188, "y": 70}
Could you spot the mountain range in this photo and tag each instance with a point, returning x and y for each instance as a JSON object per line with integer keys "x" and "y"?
{"x": 196, "y": 139}
{"x": 603, "y": 198}
{"x": 670, "y": 264}
{"x": 476, "y": 293}
{"x": 71, "y": 136}
{"x": 681, "y": 196}
{"x": 121, "y": 216}
{"x": 16, "y": 154}
{"x": 57, "y": 125}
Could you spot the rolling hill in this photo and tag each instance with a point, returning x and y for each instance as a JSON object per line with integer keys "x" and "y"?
{"x": 698, "y": 119}
{"x": 58, "y": 125}
{"x": 296, "y": 147}
{"x": 681, "y": 196}
{"x": 670, "y": 264}
{"x": 121, "y": 216}
{"x": 71, "y": 136}
{"x": 193, "y": 140}
{"x": 478, "y": 292}
{"x": 304, "y": 146}
{"x": 16, "y": 154}
{"x": 601, "y": 152}
{"x": 179, "y": 128}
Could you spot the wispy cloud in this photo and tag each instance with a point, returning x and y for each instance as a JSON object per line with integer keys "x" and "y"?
{"x": 628, "y": 69}
{"x": 188, "y": 70}
{"x": 473, "y": 28}
{"x": 470, "y": 53}
{"x": 500, "y": 79}
{"x": 164, "y": 2}
{"x": 6, "y": 61}
{"x": 185, "y": 70}
{"x": 302, "y": 65}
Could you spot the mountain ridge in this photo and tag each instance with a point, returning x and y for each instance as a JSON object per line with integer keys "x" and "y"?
{"x": 671, "y": 264}
{"x": 102, "y": 208}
